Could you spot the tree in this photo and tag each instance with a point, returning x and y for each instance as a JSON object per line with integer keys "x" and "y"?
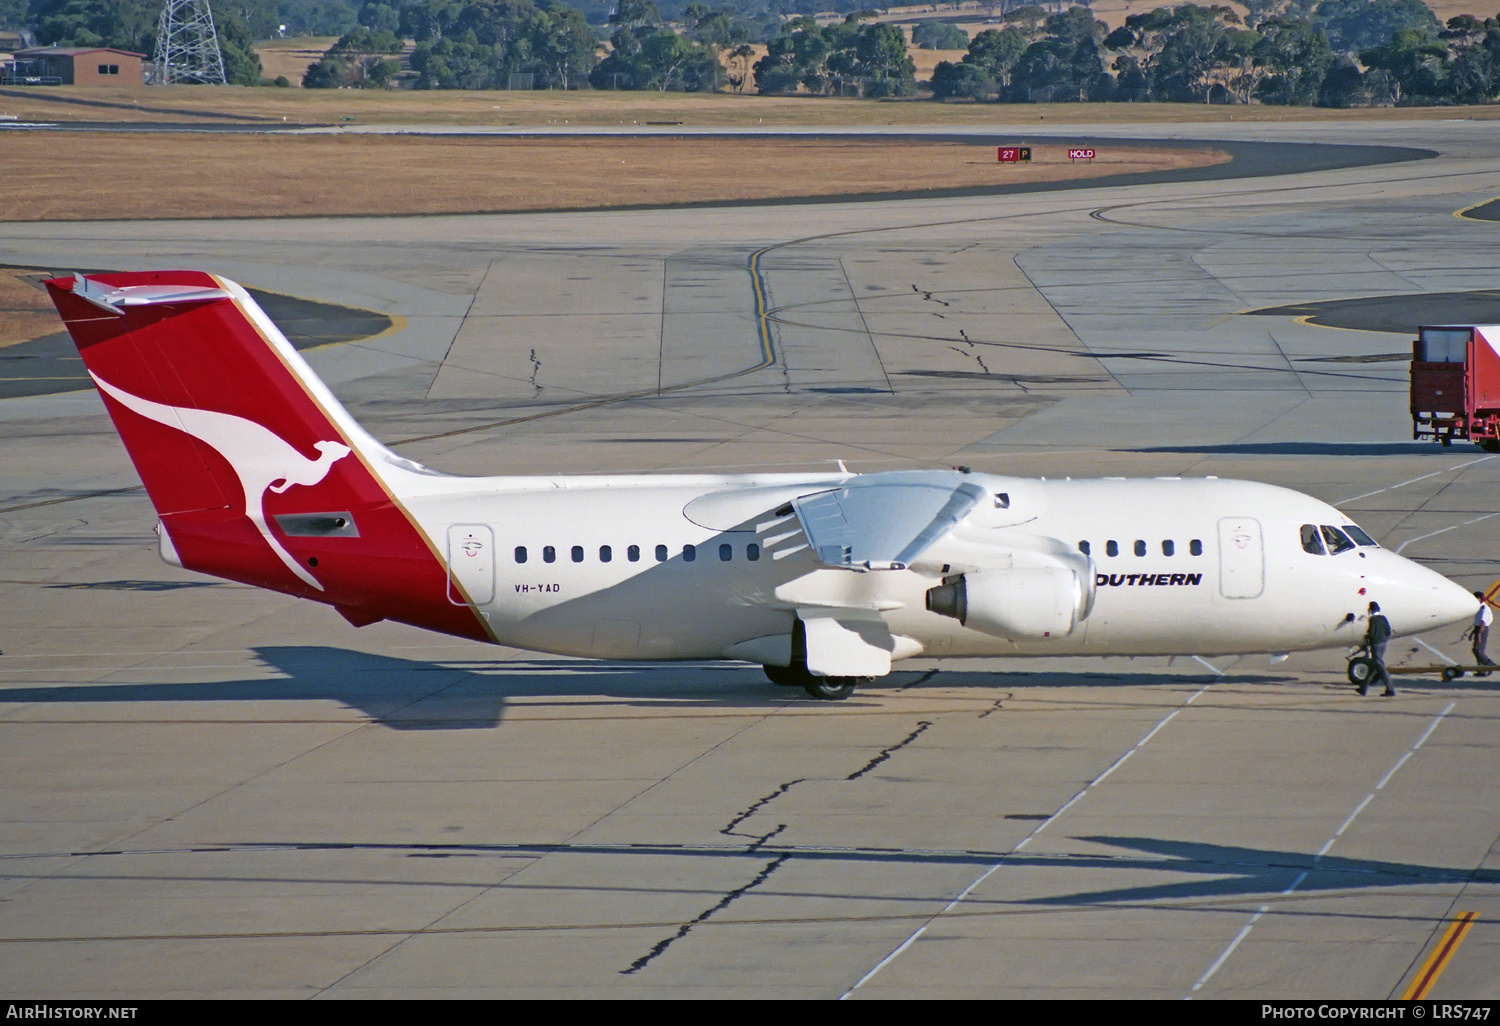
{"x": 1065, "y": 62}
{"x": 13, "y": 13}
{"x": 996, "y": 52}
{"x": 961, "y": 80}
{"x": 938, "y": 35}
{"x": 1412, "y": 65}
{"x": 1355, "y": 25}
{"x": 1474, "y": 64}
{"x": 881, "y": 59}
{"x": 1296, "y": 57}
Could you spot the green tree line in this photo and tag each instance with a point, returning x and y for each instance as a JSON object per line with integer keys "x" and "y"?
{"x": 1333, "y": 53}
{"x": 1297, "y": 52}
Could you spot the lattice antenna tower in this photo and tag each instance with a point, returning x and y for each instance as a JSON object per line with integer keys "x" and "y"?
{"x": 187, "y": 45}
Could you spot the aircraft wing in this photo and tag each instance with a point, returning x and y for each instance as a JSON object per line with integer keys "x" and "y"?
{"x": 885, "y": 521}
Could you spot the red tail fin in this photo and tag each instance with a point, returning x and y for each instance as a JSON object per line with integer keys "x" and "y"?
{"x": 257, "y": 472}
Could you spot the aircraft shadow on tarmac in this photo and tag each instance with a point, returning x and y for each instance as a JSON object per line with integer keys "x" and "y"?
{"x": 1193, "y": 871}
{"x": 415, "y": 694}
{"x": 1305, "y": 449}
{"x": 133, "y": 585}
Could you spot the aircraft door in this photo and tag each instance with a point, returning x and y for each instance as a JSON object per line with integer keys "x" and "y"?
{"x": 471, "y": 564}
{"x": 1242, "y": 560}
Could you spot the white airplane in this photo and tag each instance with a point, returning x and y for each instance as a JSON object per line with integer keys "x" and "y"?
{"x": 259, "y": 475}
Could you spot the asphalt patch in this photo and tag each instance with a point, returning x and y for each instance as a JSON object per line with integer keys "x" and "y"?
{"x": 50, "y": 364}
{"x": 1396, "y": 314}
{"x": 1484, "y": 212}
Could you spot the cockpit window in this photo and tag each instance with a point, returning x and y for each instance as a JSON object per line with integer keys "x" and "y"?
{"x": 1336, "y": 539}
{"x": 1311, "y": 540}
{"x": 1360, "y": 538}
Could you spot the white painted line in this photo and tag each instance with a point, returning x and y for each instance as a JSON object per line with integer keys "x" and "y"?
{"x": 1453, "y": 527}
{"x": 888, "y": 959}
{"x": 1229, "y": 950}
{"x": 1399, "y": 763}
{"x": 1224, "y": 956}
{"x": 1357, "y": 810}
{"x": 1441, "y": 655}
{"x": 1428, "y": 733}
{"x": 1414, "y": 480}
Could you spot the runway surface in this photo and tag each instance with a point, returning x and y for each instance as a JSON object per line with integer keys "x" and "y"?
{"x": 215, "y": 791}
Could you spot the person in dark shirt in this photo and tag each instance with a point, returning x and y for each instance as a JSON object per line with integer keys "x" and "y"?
{"x": 1376, "y": 635}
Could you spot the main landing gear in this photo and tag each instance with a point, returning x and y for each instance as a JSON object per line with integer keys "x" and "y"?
{"x": 828, "y": 689}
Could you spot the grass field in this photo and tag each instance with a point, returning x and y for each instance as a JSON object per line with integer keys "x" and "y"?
{"x": 239, "y": 175}
{"x": 271, "y": 106}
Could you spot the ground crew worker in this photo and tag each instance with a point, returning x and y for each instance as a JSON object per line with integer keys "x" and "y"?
{"x": 1480, "y": 632}
{"x": 1376, "y": 635}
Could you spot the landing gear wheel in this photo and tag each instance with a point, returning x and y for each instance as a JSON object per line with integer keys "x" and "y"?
{"x": 1361, "y": 670}
{"x": 830, "y": 689}
{"x": 786, "y": 676}
{"x": 1452, "y": 673}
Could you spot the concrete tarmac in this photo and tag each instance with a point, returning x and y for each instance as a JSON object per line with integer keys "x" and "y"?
{"x": 213, "y": 791}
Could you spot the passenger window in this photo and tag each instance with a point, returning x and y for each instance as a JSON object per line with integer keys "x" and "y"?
{"x": 689, "y": 553}
{"x": 752, "y": 552}
{"x": 606, "y": 553}
{"x": 1111, "y": 548}
{"x": 1083, "y": 547}
{"x": 1140, "y": 547}
{"x": 1311, "y": 541}
{"x": 549, "y": 554}
{"x": 633, "y": 553}
{"x": 578, "y": 553}
{"x": 1195, "y": 547}
{"x": 726, "y": 552}
{"x": 661, "y": 553}
{"x": 520, "y": 553}
{"x": 1168, "y": 547}
{"x": 1360, "y": 538}
{"x": 1336, "y": 540}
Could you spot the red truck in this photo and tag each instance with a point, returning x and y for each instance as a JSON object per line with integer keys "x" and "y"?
{"x": 1455, "y": 385}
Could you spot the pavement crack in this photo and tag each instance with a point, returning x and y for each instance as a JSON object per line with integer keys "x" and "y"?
{"x": 885, "y": 754}
{"x": 682, "y": 931}
{"x": 996, "y": 706}
{"x": 920, "y": 680}
{"x": 729, "y": 831}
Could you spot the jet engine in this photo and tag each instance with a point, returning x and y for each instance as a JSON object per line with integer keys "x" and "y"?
{"x": 1031, "y": 603}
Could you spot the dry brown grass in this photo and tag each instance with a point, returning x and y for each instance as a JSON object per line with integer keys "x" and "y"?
{"x": 292, "y": 57}
{"x": 25, "y": 311}
{"x": 222, "y": 175}
{"x": 190, "y": 104}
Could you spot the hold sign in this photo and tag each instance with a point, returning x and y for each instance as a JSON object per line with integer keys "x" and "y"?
{"x": 1080, "y": 154}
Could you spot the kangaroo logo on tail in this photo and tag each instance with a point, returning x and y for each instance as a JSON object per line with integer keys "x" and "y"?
{"x": 261, "y": 458}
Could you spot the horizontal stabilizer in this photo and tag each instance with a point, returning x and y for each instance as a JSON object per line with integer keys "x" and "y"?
{"x": 115, "y": 299}
{"x": 885, "y": 522}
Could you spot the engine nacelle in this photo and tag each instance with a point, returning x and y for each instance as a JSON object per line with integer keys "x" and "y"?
{"x": 1032, "y": 603}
